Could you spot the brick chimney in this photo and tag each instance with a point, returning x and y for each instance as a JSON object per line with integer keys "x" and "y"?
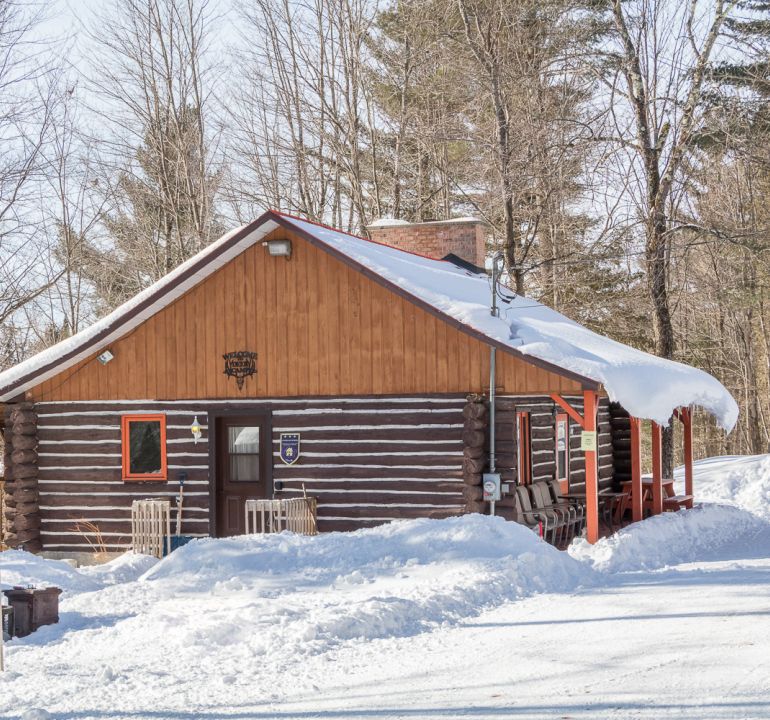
{"x": 464, "y": 237}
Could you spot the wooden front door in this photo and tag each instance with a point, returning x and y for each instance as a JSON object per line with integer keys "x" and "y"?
{"x": 243, "y": 469}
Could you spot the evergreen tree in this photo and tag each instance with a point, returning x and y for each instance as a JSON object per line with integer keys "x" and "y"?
{"x": 162, "y": 215}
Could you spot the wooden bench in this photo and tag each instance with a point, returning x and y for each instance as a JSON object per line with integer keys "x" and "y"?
{"x": 671, "y": 501}
{"x": 677, "y": 502}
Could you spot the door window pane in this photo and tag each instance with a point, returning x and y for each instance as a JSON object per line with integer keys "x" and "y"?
{"x": 243, "y": 446}
{"x": 243, "y": 439}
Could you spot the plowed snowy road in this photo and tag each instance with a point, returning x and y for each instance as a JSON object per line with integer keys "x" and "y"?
{"x": 691, "y": 642}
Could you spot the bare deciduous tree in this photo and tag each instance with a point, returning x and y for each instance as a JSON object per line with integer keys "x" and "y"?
{"x": 27, "y": 103}
{"x": 150, "y": 81}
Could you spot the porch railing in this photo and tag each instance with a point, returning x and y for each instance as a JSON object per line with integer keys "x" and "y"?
{"x": 271, "y": 516}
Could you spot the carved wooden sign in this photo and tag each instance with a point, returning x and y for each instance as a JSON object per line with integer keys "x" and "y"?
{"x": 240, "y": 365}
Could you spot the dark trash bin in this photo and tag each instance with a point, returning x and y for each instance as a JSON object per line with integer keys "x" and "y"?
{"x": 33, "y": 608}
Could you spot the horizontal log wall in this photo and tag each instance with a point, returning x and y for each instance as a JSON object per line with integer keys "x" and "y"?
{"x": 81, "y": 477}
{"x": 367, "y": 460}
{"x": 543, "y": 412}
{"x": 21, "y": 498}
{"x": 621, "y": 443}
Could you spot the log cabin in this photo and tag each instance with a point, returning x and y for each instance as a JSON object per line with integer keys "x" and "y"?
{"x": 289, "y": 357}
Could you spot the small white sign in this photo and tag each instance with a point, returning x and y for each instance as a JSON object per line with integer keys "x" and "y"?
{"x": 588, "y": 440}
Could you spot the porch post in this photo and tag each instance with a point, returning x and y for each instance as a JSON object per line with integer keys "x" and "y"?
{"x": 657, "y": 469}
{"x": 637, "y": 511}
{"x": 592, "y": 480}
{"x": 686, "y": 416}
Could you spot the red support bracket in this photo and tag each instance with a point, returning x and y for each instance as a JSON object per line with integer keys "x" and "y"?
{"x": 564, "y": 405}
{"x": 637, "y": 493}
{"x": 657, "y": 469}
{"x": 587, "y": 422}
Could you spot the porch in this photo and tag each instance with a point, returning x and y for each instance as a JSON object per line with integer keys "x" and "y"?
{"x": 631, "y": 497}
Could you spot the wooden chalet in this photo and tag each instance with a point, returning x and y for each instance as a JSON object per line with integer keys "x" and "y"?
{"x": 288, "y": 357}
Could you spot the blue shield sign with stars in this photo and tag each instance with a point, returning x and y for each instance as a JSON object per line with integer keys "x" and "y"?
{"x": 289, "y": 448}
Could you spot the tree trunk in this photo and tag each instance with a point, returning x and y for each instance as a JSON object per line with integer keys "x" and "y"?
{"x": 662, "y": 326}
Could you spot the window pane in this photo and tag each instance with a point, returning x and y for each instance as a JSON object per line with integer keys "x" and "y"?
{"x": 243, "y": 446}
{"x": 244, "y": 468}
{"x": 561, "y": 449}
{"x": 243, "y": 439}
{"x": 144, "y": 447}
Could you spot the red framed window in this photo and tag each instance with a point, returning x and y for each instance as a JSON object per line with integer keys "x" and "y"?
{"x": 525, "y": 447}
{"x": 144, "y": 447}
{"x": 561, "y": 431}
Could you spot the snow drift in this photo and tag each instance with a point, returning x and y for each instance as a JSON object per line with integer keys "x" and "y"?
{"x": 707, "y": 532}
{"x": 284, "y": 594}
{"x": 743, "y": 481}
{"x": 23, "y": 568}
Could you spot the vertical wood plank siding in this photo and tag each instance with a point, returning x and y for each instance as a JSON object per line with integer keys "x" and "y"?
{"x": 368, "y": 460}
{"x": 319, "y": 328}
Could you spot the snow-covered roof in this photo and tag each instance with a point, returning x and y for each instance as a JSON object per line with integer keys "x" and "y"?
{"x": 647, "y": 386}
{"x": 387, "y": 222}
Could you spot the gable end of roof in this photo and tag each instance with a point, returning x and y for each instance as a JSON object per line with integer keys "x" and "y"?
{"x": 189, "y": 274}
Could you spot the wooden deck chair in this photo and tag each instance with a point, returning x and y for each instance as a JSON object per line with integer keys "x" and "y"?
{"x": 578, "y": 507}
{"x": 525, "y": 505}
{"x": 564, "y": 513}
{"x": 526, "y": 518}
{"x": 555, "y": 520}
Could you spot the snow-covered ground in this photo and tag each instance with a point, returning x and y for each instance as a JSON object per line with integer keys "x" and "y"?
{"x": 469, "y": 616}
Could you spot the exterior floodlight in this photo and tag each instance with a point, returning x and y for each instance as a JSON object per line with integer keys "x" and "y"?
{"x": 195, "y": 429}
{"x": 279, "y": 248}
{"x": 105, "y": 357}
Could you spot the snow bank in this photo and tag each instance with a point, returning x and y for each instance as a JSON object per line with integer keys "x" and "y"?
{"x": 707, "y": 532}
{"x": 22, "y": 568}
{"x": 122, "y": 569}
{"x": 394, "y": 580}
{"x": 743, "y": 481}
{"x": 385, "y": 549}
{"x": 284, "y": 595}
{"x": 232, "y": 610}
